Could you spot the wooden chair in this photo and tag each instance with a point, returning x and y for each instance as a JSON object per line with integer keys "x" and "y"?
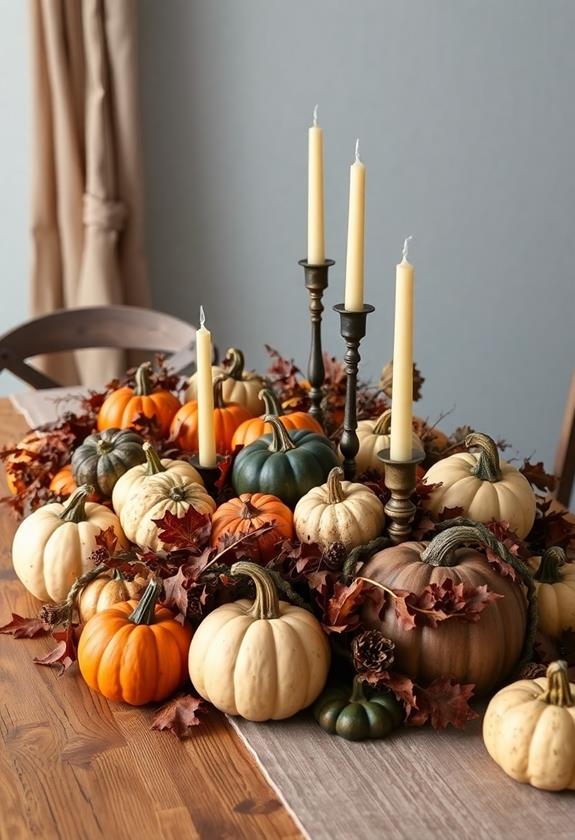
{"x": 120, "y": 327}
{"x": 565, "y": 456}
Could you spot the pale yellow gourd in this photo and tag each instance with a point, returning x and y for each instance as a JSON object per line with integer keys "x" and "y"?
{"x": 339, "y": 511}
{"x": 263, "y": 659}
{"x": 373, "y": 436}
{"x": 484, "y": 485}
{"x": 161, "y": 493}
{"x": 529, "y": 730}
{"x": 239, "y": 386}
{"x": 555, "y": 584}
{"x": 132, "y": 480}
{"x": 53, "y": 546}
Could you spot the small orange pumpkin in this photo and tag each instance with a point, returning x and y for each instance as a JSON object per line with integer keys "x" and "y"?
{"x": 248, "y": 512}
{"x": 255, "y": 427}
{"x": 227, "y": 418}
{"x": 64, "y": 484}
{"x": 136, "y": 651}
{"x": 121, "y": 408}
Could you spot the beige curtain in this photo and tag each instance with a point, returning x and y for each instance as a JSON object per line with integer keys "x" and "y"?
{"x": 87, "y": 200}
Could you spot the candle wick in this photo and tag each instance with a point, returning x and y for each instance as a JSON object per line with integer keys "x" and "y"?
{"x": 357, "y": 151}
{"x": 405, "y": 248}
{"x": 315, "y": 117}
{"x": 202, "y": 317}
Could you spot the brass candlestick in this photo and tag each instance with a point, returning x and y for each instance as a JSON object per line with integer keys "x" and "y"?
{"x": 352, "y": 330}
{"x": 400, "y": 480}
{"x": 316, "y": 284}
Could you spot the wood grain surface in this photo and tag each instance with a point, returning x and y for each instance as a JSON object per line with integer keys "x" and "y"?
{"x": 74, "y": 766}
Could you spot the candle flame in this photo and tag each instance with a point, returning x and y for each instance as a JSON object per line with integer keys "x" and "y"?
{"x": 357, "y": 150}
{"x": 405, "y": 248}
{"x": 315, "y": 117}
{"x": 202, "y": 317}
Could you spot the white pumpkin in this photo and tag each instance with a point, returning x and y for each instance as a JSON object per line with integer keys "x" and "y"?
{"x": 240, "y": 386}
{"x": 373, "y": 436}
{"x": 52, "y": 546}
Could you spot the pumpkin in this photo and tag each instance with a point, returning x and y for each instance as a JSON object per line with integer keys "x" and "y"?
{"x": 135, "y": 477}
{"x": 63, "y": 482}
{"x": 106, "y": 591}
{"x": 529, "y": 730}
{"x": 482, "y": 652}
{"x": 254, "y": 428}
{"x": 285, "y": 464}
{"x": 105, "y": 456}
{"x": 247, "y": 513}
{"x": 355, "y": 716}
{"x": 241, "y": 386}
{"x": 339, "y": 511}
{"x": 263, "y": 659}
{"x": 121, "y": 408}
{"x": 373, "y": 436}
{"x": 555, "y": 585}
{"x": 227, "y": 417}
{"x": 15, "y": 464}
{"x": 485, "y": 486}
{"x": 136, "y": 651}
{"x": 53, "y": 546}
{"x": 161, "y": 493}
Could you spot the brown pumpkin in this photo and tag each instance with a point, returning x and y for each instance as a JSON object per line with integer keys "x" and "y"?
{"x": 227, "y": 418}
{"x": 255, "y": 427}
{"x": 250, "y": 511}
{"x": 121, "y": 408}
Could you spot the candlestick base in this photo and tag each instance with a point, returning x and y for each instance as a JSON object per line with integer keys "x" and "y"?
{"x": 316, "y": 281}
{"x": 400, "y": 480}
{"x": 209, "y": 475}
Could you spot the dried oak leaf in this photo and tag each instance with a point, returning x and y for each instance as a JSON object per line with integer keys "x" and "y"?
{"x": 341, "y": 613}
{"x": 441, "y": 601}
{"x": 386, "y": 381}
{"x": 537, "y": 476}
{"x": 188, "y": 531}
{"x": 25, "y": 628}
{"x": 179, "y": 715}
{"x": 442, "y": 702}
{"x": 64, "y": 654}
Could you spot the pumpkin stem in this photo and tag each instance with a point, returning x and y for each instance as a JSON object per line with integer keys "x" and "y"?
{"x": 551, "y": 559}
{"x": 487, "y": 467}
{"x": 441, "y": 550}
{"x": 383, "y": 423}
{"x": 357, "y": 692}
{"x": 271, "y": 402}
{"x": 248, "y": 509}
{"x": 219, "y": 401}
{"x": 335, "y": 493}
{"x": 144, "y": 613}
{"x": 75, "y": 507}
{"x": 237, "y": 363}
{"x": 558, "y": 691}
{"x": 281, "y": 441}
{"x": 154, "y": 462}
{"x": 143, "y": 385}
{"x": 266, "y": 603}
{"x": 117, "y": 575}
{"x": 103, "y": 446}
{"x": 178, "y": 493}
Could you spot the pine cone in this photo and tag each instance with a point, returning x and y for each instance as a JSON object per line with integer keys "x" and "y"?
{"x": 372, "y": 652}
{"x": 334, "y": 557}
{"x": 386, "y": 381}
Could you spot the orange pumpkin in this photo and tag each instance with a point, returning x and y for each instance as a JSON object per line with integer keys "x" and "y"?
{"x": 63, "y": 482}
{"x": 255, "y": 427}
{"x": 248, "y": 512}
{"x": 136, "y": 651}
{"x": 121, "y": 408}
{"x": 227, "y": 418}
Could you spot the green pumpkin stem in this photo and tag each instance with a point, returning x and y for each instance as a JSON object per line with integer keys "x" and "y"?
{"x": 558, "y": 691}
{"x": 271, "y": 402}
{"x": 266, "y": 603}
{"x": 281, "y": 441}
{"x": 441, "y": 550}
{"x": 143, "y": 385}
{"x": 335, "y": 493}
{"x": 75, "y": 507}
{"x": 219, "y": 401}
{"x": 383, "y": 423}
{"x": 551, "y": 560}
{"x": 145, "y": 612}
{"x": 357, "y": 691}
{"x": 153, "y": 460}
{"x": 487, "y": 467}
{"x": 237, "y": 363}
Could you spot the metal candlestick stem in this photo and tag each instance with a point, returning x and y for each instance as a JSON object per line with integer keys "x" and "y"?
{"x": 400, "y": 480}
{"x": 210, "y": 475}
{"x": 352, "y": 329}
{"x": 316, "y": 284}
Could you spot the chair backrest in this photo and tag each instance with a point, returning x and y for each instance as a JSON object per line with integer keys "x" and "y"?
{"x": 565, "y": 457}
{"x": 120, "y": 327}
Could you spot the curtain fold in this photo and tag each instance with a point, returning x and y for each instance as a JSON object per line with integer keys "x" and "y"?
{"x": 87, "y": 197}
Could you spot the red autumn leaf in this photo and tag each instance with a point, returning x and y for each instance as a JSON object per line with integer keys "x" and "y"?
{"x": 424, "y": 491}
{"x": 514, "y": 544}
{"x": 537, "y": 476}
{"x": 450, "y": 513}
{"x": 342, "y": 608}
{"x": 552, "y": 526}
{"x": 225, "y": 465}
{"x": 318, "y": 581}
{"x": 64, "y": 654}
{"x": 402, "y": 686}
{"x": 442, "y": 703}
{"x": 441, "y": 601}
{"x": 186, "y": 531}
{"x": 503, "y": 568}
{"x": 25, "y": 628}
{"x": 179, "y": 715}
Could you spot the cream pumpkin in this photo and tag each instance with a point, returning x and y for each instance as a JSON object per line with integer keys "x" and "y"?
{"x": 105, "y": 591}
{"x": 555, "y": 584}
{"x": 529, "y": 730}
{"x": 262, "y": 659}
{"x": 484, "y": 485}
{"x": 161, "y": 493}
{"x": 240, "y": 386}
{"x": 373, "y": 436}
{"x": 53, "y": 546}
{"x": 339, "y": 511}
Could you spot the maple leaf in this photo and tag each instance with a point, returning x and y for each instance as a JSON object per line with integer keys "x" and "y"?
{"x": 225, "y": 465}
{"x": 552, "y": 526}
{"x": 441, "y": 601}
{"x": 186, "y": 531}
{"x": 402, "y": 687}
{"x": 514, "y": 544}
{"x": 341, "y": 613}
{"x": 64, "y": 654}
{"x": 25, "y": 628}
{"x": 449, "y": 513}
{"x": 500, "y": 566}
{"x": 442, "y": 702}
{"x": 536, "y": 475}
{"x": 179, "y": 715}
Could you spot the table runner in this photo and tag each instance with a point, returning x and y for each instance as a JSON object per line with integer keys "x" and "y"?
{"x": 415, "y": 784}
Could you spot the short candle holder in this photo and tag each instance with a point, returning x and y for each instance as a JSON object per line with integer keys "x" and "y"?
{"x": 316, "y": 283}
{"x": 209, "y": 475}
{"x": 352, "y": 330}
{"x": 400, "y": 480}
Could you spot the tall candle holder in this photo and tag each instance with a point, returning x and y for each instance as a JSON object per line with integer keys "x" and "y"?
{"x": 210, "y": 475}
{"x": 316, "y": 283}
{"x": 400, "y": 480}
{"x": 352, "y": 328}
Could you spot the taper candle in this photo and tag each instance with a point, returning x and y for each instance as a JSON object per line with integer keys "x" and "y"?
{"x": 355, "y": 235}
{"x": 315, "y": 226}
{"x": 402, "y": 387}
{"x": 205, "y": 396}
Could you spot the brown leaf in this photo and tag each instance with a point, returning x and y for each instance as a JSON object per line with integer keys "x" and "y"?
{"x": 514, "y": 544}
{"x": 25, "y": 628}
{"x": 179, "y": 715}
{"x": 342, "y": 608}
{"x": 187, "y": 531}
{"x": 503, "y": 568}
{"x": 65, "y": 652}
{"x": 441, "y": 601}
{"x": 537, "y": 476}
{"x": 442, "y": 703}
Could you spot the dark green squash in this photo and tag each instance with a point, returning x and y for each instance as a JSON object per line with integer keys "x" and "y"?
{"x": 105, "y": 456}
{"x": 357, "y": 717}
{"x": 285, "y": 464}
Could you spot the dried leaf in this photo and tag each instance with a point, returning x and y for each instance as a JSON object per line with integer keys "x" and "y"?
{"x": 441, "y": 601}
{"x": 442, "y": 703}
{"x": 64, "y": 654}
{"x": 187, "y": 531}
{"x": 25, "y": 628}
{"x": 537, "y": 476}
{"x": 342, "y": 608}
{"x": 179, "y": 715}
{"x": 553, "y": 526}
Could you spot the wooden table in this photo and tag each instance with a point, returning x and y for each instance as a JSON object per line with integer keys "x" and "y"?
{"x": 74, "y": 766}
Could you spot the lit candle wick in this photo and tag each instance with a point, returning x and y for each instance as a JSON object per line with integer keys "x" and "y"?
{"x": 357, "y": 150}
{"x": 405, "y": 249}
{"x": 202, "y": 317}
{"x": 315, "y": 117}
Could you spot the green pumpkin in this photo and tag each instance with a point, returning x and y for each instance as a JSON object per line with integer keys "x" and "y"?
{"x": 357, "y": 717}
{"x": 105, "y": 456}
{"x": 285, "y": 464}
